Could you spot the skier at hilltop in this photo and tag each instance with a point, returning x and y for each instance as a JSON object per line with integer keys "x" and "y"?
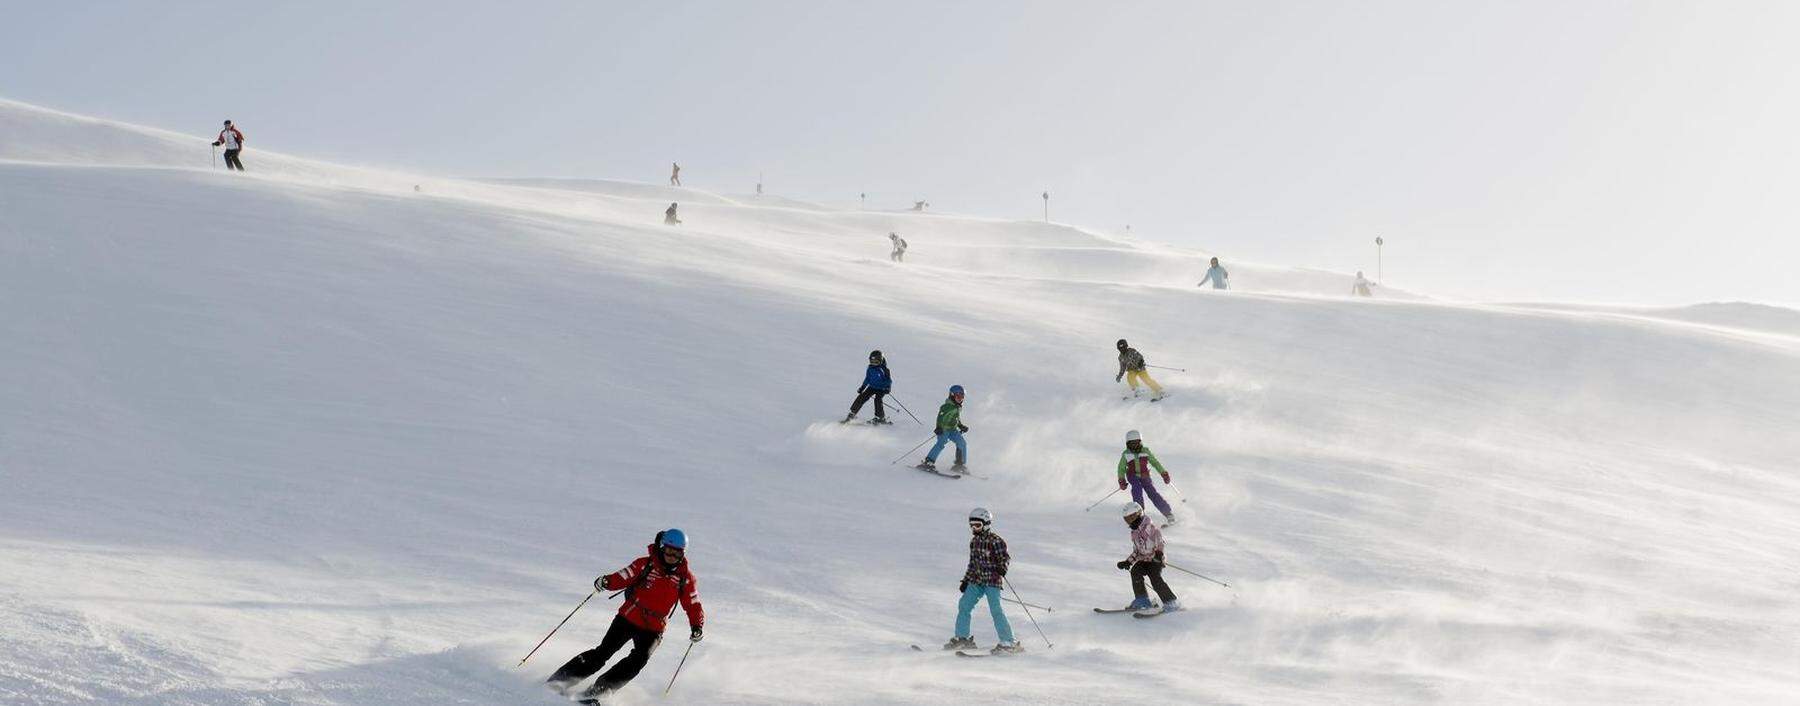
{"x": 1217, "y": 275}
{"x": 877, "y": 382}
{"x": 949, "y": 429}
{"x": 920, "y": 206}
{"x": 987, "y": 571}
{"x": 233, "y": 140}
{"x": 1134, "y": 473}
{"x": 899, "y": 243}
{"x": 1361, "y": 286}
{"x": 1146, "y": 561}
{"x": 1132, "y": 368}
{"x": 669, "y": 218}
{"x": 674, "y": 174}
{"x": 653, "y": 584}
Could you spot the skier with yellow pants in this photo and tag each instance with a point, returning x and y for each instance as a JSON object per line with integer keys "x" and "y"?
{"x": 1131, "y": 370}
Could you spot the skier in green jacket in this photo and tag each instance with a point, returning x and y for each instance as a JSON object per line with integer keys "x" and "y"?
{"x": 949, "y": 429}
{"x": 1134, "y": 473}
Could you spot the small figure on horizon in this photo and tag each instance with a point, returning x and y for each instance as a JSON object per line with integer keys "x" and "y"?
{"x": 669, "y": 218}
{"x": 899, "y": 253}
{"x": 674, "y": 174}
{"x": 920, "y": 206}
{"x": 233, "y": 140}
{"x": 1361, "y": 286}
{"x": 1217, "y": 275}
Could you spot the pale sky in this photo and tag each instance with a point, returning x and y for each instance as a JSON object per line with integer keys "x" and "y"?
{"x": 1629, "y": 152}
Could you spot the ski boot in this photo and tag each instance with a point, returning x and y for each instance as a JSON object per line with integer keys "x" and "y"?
{"x": 961, "y": 643}
{"x": 1171, "y": 606}
{"x": 959, "y": 468}
{"x": 1168, "y": 520}
{"x": 878, "y": 421}
{"x": 1141, "y": 603}
{"x": 1007, "y": 648}
{"x": 848, "y": 418}
{"x": 927, "y": 465}
{"x": 562, "y": 687}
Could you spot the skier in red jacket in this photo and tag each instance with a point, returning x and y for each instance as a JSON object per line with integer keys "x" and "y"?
{"x": 652, "y": 584}
{"x": 233, "y": 140}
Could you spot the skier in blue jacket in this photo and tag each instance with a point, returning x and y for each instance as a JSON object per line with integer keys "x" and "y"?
{"x": 1217, "y": 275}
{"x": 877, "y": 382}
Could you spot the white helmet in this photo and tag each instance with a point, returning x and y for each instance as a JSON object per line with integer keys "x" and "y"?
{"x": 981, "y": 514}
{"x": 1130, "y": 509}
{"x": 1133, "y": 435}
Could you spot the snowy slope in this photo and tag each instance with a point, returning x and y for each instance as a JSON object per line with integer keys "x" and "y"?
{"x": 305, "y": 436}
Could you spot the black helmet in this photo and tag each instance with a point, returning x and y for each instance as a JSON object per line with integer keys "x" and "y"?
{"x": 874, "y": 355}
{"x": 228, "y": 123}
{"x": 1121, "y": 344}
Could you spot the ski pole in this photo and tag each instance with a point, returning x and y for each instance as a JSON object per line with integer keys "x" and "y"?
{"x": 915, "y": 448}
{"x": 215, "y": 161}
{"x": 1163, "y": 367}
{"x": 904, "y": 409}
{"x": 684, "y": 656}
{"x": 1178, "y": 492}
{"x": 1204, "y": 576}
{"x": 1027, "y": 607}
{"x": 553, "y": 630}
{"x": 1097, "y": 502}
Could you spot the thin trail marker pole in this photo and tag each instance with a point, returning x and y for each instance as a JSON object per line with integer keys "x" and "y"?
{"x": 553, "y": 630}
{"x": 1204, "y": 576}
{"x": 1027, "y": 607}
{"x": 915, "y": 448}
{"x": 1097, "y": 502}
{"x": 677, "y": 673}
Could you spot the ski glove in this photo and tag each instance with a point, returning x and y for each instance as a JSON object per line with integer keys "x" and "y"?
{"x": 937, "y": 432}
{"x": 1122, "y": 484}
{"x": 1124, "y": 564}
{"x": 1119, "y": 378}
{"x": 1166, "y": 480}
{"x": 216, "y": 144}
{"x": 695, "y": 635}
{"x": 963, "y": 428}
{"x": 963, "y": 587}
{"x": 860, "y": 390}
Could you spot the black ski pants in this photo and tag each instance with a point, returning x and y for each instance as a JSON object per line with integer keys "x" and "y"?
{"x": 231, "y": 160}
{"x": 864, "y": 396}
{"x": 1153, "y": 571}
{"x": 643, "y": 642}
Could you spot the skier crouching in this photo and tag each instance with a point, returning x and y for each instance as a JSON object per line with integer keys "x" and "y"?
{"x": 986, "y": 572}
{"x": 1146, "y": 561}
{"x": 652, "y": 584}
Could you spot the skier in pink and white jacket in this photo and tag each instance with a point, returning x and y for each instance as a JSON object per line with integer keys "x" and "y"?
{"x": 1146, "y": 561}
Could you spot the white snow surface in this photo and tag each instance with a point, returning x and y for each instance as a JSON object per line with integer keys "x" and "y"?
{"x": 307, "y": 436}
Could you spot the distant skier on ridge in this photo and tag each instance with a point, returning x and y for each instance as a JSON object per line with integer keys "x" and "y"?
{"x": 1361, "y": 286}
{"x": 674, "y": 174}
{"x": 899, "y": 243}
{"x": 653, "y": 584}
{"x": 1217, "y": 275}
{"x": 1132, "y": 368}
{"x": 986, "y": 573}
{"x": 1134, "y": 473}
{"x": 949, "y": 429}
{"x": 1146, "y": 561}
{"x": 233, "y": 140}
{"x": 877, "y": 382}
{"x": 669, "y": 218}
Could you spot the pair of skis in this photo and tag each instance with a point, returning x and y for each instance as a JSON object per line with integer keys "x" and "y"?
{"x": 933, "y": 470}
{"x": 1146, "y": 613}
{"x": 962, "y": 653}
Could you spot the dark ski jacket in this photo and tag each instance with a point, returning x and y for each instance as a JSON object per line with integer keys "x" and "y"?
{"x": 878, "y": 379}
{"x": 652, "y": 590}
{"x": 987, "y": 559}
{"x": 1130, "y": 359}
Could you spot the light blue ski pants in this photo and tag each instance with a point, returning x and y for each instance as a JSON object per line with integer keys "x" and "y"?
{"x": 962, "y": 447}
{"x": 966, "y": 606}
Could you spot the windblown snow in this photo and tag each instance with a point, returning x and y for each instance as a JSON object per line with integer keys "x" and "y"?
{"x": 306, "y": 435}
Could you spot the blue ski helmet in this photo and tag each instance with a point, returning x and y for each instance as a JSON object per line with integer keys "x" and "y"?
{"x": 956, "y": 389}
{"x": 674, "y": 538}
